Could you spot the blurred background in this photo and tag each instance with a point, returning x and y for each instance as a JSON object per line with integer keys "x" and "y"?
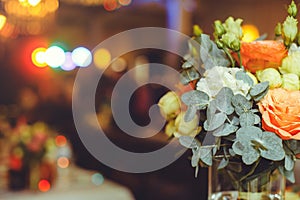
{"x": 43, "y": 43}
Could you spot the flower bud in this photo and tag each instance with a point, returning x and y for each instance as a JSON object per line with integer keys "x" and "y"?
{"x": 291, "y": 64}
{"x": 271, "y": 75}
{"x": 278, "y": 31}
{"x": 289, "y": 30}
{"x": 190, "y": 128}
{"x": 231, "y": 41}
{"x": 219, "y": 28}
{"x": 290, "y": 81}
{"x": 170, "y": 128}
{"x": 197, "y": 30}
{"x": 234, "y": 27}
{"x": 292, "y": 9}
{"x": 169, "y": 105}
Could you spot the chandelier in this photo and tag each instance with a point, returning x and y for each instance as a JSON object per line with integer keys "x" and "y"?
{"x": 27, "y": 17}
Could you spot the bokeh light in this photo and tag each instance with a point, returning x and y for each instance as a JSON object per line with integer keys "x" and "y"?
{"x": 44, "y": 185}
{"x": 34, "y": 2}
{"x": 38, "y": 57}
{"x": 63, "y": 162}
{"x": 55, "y": 56}
{"x": 124, "y": 2}
{"x": 82, "y": 57}
{"x": 2, "y": 21}
{"x": 97, "y": 179}
{"x": 60, "y": 140}
{"x": 110, "y": 5}
{"x": 250, "y": 32}
{"x": 69, "y": 64}
{"x": 119, "y": 65}
{"x": 102, "y": 58}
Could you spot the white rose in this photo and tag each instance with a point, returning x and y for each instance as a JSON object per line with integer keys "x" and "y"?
{"x": 218, "y": 77}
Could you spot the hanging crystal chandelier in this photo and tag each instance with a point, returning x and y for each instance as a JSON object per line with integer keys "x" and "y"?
{"x": 29, "y": 17}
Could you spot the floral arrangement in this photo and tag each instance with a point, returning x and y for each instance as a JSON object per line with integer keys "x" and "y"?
{"x": 239, "y": 101}
{"x": 32, "y": 154}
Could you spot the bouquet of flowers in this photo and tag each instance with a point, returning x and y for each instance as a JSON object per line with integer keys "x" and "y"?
{"x": 32, "y": 154}
{"x": 239, "y": 101}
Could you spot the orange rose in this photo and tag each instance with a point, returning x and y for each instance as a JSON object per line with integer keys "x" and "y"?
{"x": 263, "y": 54}
{"x": 280, "y": 111}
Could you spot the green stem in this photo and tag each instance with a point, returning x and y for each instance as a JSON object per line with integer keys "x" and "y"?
{"x": 229, "y": 56}
{"x": 240, "y": 60}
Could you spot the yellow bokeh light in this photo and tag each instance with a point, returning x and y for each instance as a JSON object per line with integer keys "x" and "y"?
{"x": 102, "y": 58}
{"x": 38, "y": 57}
{"x": 2, "y": 21}
{"x": 250, "y": 32}
{"x": 63, "y": 162}
{"x": 34, "y": 2}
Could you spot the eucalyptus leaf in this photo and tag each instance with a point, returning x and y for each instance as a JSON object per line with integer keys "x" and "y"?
{"x": 274, "y": 145}
{"x": 289, "y": 175}
{"x": 224, "y": 162}
{"x": 206, "y": 155}
{"x": 188, "y": 142}
{"x": 257, "y": 119}
{"x": 215, "y": 122}
{"x": 195, "y": 159}
{"x": 241, "y": 75}
{"x": 211, "y": 55}
{"x": 184, "y": 78}
{"x": 247, "y": 119}
{"x": 190, "y": 113}
{"x": 289, "y": 163}
{"x": 260, "y": 96}
{"x": 195, "y": 97}
{"x": 250, "y": 156}
{"x": 259, "y": 88}
{"x": 223, "y": 100}
{"x": 239, "y": 101}
{"x": 225, "y": 130}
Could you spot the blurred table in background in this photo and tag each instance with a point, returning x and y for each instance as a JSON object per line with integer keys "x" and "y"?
{"x": 76, "y": 184}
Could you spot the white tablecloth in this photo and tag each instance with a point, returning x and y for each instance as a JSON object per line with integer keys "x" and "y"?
{"x": 74, "y": 184}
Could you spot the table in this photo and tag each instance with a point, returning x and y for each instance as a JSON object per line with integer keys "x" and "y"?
{"x": 75, "y": 184}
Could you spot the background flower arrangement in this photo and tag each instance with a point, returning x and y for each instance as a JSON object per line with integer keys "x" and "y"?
{"x": 239, "y": 102}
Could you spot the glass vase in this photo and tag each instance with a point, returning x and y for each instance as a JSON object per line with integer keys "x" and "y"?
{"x": 264, "y": 186}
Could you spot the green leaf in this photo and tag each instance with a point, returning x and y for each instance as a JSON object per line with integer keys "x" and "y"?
{"x": 187, "y": 65}
{"x": 211, "y": 55}
{"x": 239, "y": 101}
{"x": 225, "y": 130}
{"x": 195, "y": 158}
{"x": 274, "y": 146}
{"x": 206, "y": 155}
{"x": 289, "y": 175}
{"x": 215, "y": 122}
{"x": 259, "y": 88}
{"x": 195, "y": 97}
{"x": 257, "y": 119}
{"x": 260, "y": 96}
{"x": 224, "y": 162}
{"x": 190, "y": 113}
{"x": 189, "y": 75}
{"x": 241, "y": 75}
{"x": 223, "y": 100}
{"x": 289, "y": 163}
{"x": 247, "y": 119}
{"x": 188, "y": 142}
{"x": 250, "y": 155}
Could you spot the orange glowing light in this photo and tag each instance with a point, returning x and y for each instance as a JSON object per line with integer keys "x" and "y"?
{"x": 44, "y": 185}
{"x": 63, "y": 162}
{"x": 38, "y": 57}
{"x": 2, "y": 21}
{"x": 60, "y": 140}
{"x": 110, "y": 5}
{"x": 124, "y": 2}
{"x": 250, "y": 32}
